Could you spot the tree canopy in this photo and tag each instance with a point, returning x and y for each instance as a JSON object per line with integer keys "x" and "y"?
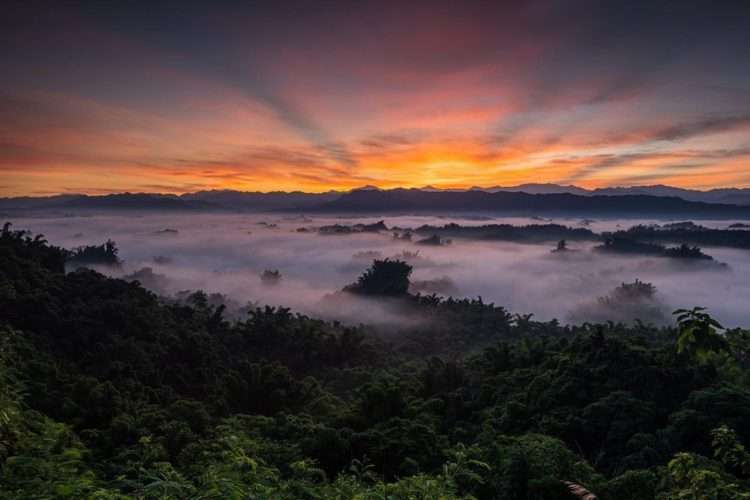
{"x": 108, "y": 391}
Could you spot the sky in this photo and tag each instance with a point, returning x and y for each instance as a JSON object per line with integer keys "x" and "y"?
{"x": 111, "y": 96}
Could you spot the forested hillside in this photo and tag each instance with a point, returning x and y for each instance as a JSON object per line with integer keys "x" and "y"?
{"x": 110, "y": 392}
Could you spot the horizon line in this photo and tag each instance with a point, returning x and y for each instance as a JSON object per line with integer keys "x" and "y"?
{"x": 429, "y": 187}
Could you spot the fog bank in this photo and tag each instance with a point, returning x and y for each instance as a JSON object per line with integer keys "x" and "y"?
{"x": 227, "y": 254}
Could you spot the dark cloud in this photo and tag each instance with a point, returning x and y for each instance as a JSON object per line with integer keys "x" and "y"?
{"x": 687, "y": 160}
{"x": 172, "y": 188}
{"x": 706, "y": 126}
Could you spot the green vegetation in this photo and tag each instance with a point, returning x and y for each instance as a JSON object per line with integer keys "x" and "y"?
{"x": 110, "y": 392}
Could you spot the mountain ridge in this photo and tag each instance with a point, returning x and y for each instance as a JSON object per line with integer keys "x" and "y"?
{"x": 532, "y": 198}
{"x": 734, "y": 196}
{"x": 415, "y": 200}
{"x": 712, "y": 195}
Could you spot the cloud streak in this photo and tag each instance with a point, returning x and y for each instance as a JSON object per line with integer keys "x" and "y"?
{"x": 290, "y": 97}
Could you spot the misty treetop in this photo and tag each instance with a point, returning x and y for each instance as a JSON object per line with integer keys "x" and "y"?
{"x": 386, "y": 277}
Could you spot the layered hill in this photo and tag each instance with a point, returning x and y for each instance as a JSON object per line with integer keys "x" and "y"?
{"x": 535, "y": 199}
{"x": 525, "y": 203}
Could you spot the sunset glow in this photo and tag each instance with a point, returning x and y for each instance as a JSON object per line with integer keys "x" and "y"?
{"x": 114, "y": 97}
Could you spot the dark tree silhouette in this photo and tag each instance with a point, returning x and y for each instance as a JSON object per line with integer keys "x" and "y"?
{"x": 562, "y": 246}
{"x": 685, "y": 251}
{"x": 388, "y": 278}
{"x": 269, "y": 277}
{"x": 105, "y": 254}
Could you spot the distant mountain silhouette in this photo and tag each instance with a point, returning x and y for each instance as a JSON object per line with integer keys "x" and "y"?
{"x": 526, "y": 198}
{"x": 137, "y": 201}
{"x": 202, "y": 200}
{"x": 277, "y": 200}
{"x": 732, "y": 196}
{"x": 122, "y": 201}
{"x": 521, "y": 202}
{"x": 536, "y": 189}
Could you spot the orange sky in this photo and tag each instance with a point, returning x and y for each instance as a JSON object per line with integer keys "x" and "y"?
{"x": 100, "y": 101}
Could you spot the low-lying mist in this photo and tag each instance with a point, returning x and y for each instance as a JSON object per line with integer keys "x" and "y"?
{"x": 228, "y": 253}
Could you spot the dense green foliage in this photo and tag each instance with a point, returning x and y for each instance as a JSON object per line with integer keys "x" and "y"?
{"x": 109, "y": 392}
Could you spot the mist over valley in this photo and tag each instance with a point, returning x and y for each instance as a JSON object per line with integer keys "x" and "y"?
{"x": 228, "y": 253}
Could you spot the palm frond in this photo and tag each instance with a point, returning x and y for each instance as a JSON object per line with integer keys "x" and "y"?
{"x": 579, "y": 491}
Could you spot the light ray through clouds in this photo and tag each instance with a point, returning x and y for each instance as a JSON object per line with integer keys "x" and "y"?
{"x": 299, "y": 96}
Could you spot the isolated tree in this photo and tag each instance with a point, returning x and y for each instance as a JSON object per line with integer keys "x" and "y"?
{"x": 388, "y": 278}
{"x": 626, "y": 303}
{"x": 270, "y": 277}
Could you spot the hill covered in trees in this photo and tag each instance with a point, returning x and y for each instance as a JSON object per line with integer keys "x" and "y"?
{"x": 108, "y": 391}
